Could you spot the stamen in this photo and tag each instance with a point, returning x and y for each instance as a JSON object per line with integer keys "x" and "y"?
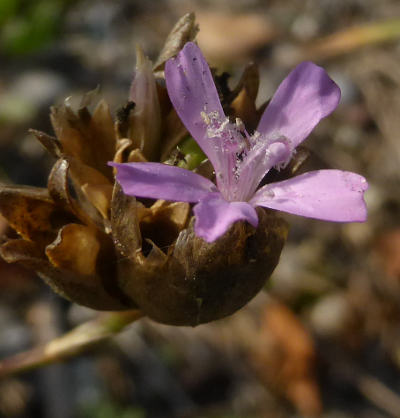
{"x": 240, "y": 125}
{"x": 205, "y": 118}
{"x": 218, "y": 127}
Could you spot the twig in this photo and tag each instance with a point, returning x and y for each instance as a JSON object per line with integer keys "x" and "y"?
{"x": 71, "y": 344}
{"x": 374, "y": 390}
{"x": 354, "y": 38}
{"x": 379, "y": 394}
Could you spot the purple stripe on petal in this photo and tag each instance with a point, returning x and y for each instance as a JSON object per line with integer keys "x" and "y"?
{"x": 304, "y": 97}
{"x": 162, "y": 181}
{"x": 214, "y": 216}
{"x": 192, "y": 91}
{"x": 331, "y": 195}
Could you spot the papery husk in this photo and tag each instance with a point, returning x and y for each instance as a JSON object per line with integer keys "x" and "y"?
{"x": 245, "y": 94}
{"x": 85, "y": 289}
{"x": 185, "y": 30}
{"x": 64, "y": 228}
{"x": 197, "y": 282}
{"x": 88, "y": 137}
{"x": 32, "y": 213}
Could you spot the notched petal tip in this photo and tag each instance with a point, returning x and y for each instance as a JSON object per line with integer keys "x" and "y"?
{"x": 328, "y": 89}
{"x": 358, "y": 184}
{"x": 330, "y": 195}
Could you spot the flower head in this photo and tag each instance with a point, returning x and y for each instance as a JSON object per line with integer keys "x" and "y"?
{"x": 241, "y": 160}
{"x": 101, "y": 248}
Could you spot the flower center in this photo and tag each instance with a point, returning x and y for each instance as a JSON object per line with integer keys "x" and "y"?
{"x": 243, "y": 159}
{"x": 231, "y": 134}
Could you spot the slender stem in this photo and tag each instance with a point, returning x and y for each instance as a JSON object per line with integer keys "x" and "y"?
{"x": 348, "y": 40}
{"x": 70, "y": 344}
{"x": 379, "y": 394}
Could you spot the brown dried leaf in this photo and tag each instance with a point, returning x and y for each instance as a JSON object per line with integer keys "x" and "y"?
{"x": 126, "y": 154}
{"x": 250, "y": 81}
{"x": 93, "y": 189}
{"x": 64, "y": 282}
{"x": 185, "y": 30}
{"x": 89, "y": 97}
{"x": 123, "y": 148}
{"x": 164, "y": 221}
{"x": 176, "y": 212}
{"x": 3, "y": 225}
{"x": 32, "y": 213}
{"x": 57, "y": 185}
{"x": 125, "y": 222}
{"x": 99, "y": 196}
{"x": 136, "y": 156}
{"x": 102, "y": 127}
{"x": 16, "y": 249}
{"x": 156, "y": 256}
{"x": 244, "y": 108}
{"x": 245, "y": 94}
{"x": 51, "y": 143}
{"x": 66, "y": 126}
{"x": 89, "y": 138}
{"x": 63, "y": 253}
{"x": 88, "y": 256}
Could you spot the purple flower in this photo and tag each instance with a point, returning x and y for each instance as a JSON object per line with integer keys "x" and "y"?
{"x": 241, "y": 160}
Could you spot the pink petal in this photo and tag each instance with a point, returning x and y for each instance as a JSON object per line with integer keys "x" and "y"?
{"x": 304, "y": 97}
{"x": 192, "y": 91}
{"x": 162, "y": 181}
{"x": 331, "y": 195}
{"x": 214, "y": 216}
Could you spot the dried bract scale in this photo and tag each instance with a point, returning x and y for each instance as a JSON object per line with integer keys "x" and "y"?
{"x": 185, "y": 30}
{"x": 65, "y": 233}
{"x": 198, "y": 282}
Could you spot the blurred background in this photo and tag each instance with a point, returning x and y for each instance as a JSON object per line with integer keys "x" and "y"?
{"x": 324, "y": 339}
